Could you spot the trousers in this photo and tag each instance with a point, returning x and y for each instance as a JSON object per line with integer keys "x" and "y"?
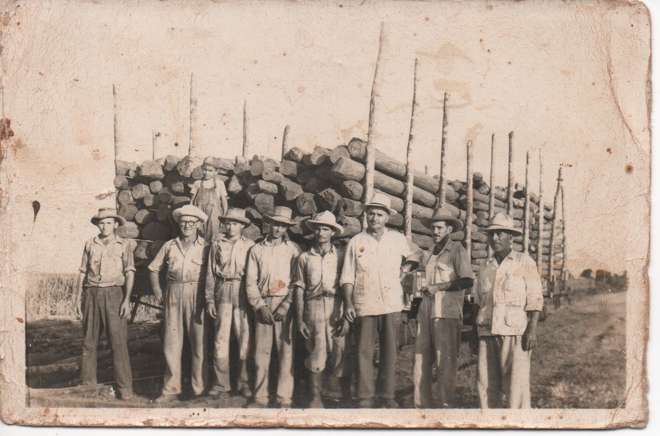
{"x": 503, "y": 379}
{"x": 183, "y": 320}
{"x": 277, "y": 336}
{"x": 381, "y": 328}
{"x": 438, "y": 340}
{"x": 231, "y": 318}
{"x": 101, "y": 312}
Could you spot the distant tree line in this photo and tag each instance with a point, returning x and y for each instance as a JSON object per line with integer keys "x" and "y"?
{"x": 606, "y": 278}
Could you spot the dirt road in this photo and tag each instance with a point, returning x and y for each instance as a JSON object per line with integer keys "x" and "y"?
{"x": 579, "y": 363}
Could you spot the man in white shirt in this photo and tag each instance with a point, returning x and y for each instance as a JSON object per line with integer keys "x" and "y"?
{"x": 373, "y": 298}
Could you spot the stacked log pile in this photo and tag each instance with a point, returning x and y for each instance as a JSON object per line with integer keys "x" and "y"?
{"x": 324, "y": 179}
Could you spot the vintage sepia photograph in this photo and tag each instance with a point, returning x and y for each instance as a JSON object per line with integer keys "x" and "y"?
{"x": 383, "y": 214}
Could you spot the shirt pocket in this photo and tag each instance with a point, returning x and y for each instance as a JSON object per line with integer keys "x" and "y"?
{"x": 515, "y": 317}
{"x": 513, "y": 290}
{"x": 196, "y": 268}
{"x": 443, "y": 273}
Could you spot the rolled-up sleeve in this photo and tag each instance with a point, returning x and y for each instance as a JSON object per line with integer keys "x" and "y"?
{"x": 534, "y": 287}
{"x": 348, "y": 269}
{"x": 209, "y": 287}
{"x": 298, "y": 276}
{"x": 157, "y": 263}
{"x": 251, "y": 277}
{"x": 85, "y": 259}
{"x": 129, "y": 256}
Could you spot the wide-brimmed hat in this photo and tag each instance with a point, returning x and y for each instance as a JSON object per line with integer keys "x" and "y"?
{"x": 189, "y": 210}
{"x": 381, "y": 201}
{"x": 502, "y": 221}
{"x": 282, "y": 215}
{"x": 444, "y": 214}
{"x": 209, "y": 161}
{"x": 325, "y": 218}
{"x": 235, "y": 214}
{"x": 108, "y": 212}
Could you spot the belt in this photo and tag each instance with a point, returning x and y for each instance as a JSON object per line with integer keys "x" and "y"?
{"x": 323, "y": 294}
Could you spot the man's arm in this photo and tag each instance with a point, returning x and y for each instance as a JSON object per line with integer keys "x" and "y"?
{"x": 251, "y": 280}
{"x": 347, "y": 281}
{"x": 154, "y": 272}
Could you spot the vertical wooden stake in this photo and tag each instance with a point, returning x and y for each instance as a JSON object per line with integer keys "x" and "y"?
{"x": 115, "y": 138}
{"x": 553, "y": 225}
{"x": 491, "y": 191}
{"x": 563, "y": 235}
{"x": 409, "y": 163}
{"x": 442, "y": 189}
{"x": 371, "y": 147}
{"x": 509, "y": 206}
{"x": 470, "y": 203}
{"x": 154, "y": 135}
{"x": 192, "y": 106}
{"x": 285, "y": 136}
{"x": 246, "y": 147}
{"x": 541, "y": 215}
{"x": 526, "y": 212}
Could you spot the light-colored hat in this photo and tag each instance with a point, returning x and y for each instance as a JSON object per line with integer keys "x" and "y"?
{"x": 444, "y": 214}
{"x": 108, "y": 212}
{"x": 502, "y": 221}
{"x": 282, "y": 215}
{"x": 235, "y": 214}
{"x": 325, "y": 218}
{"x": 209, "y": 160}
{"x": 189, "y": 210}
{"x": 381, "y": 201}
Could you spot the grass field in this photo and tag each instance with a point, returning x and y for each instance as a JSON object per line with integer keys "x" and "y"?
{"x": 579, "y": 363}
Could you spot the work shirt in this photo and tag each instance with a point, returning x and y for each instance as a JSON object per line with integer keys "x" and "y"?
{"x": 106, "y": 265}
{"x": 268, "y": 271}
{"x": 373, "y": 267}
{"x": 182, "y": 266}
{"x": 450, "y": 263}
{"x": 505, "y": 293}
{"x": 226, "y": 263}
{"x": 316, "y": 274}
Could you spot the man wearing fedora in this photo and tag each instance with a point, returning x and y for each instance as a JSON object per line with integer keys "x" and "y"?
{"x": 185, "y": 258}
{"x": 226, "y": 301}
{"x": 509, "y": 295}
{"x": 107, "y": 273}
{"x": 448, "y": 272}
{"x": 319, "y": 307}
{"x": 268, "y": 285}
{"x": 373, "y": 298}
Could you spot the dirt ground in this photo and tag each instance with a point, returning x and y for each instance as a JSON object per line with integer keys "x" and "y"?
{"x": 579, "y": 363}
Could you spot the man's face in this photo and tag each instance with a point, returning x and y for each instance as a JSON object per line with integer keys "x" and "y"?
{"x": 233, "y": 228}
{"x": 323, "y": 233}
{"x": 107, "y": 226}
{"x": 376, "y": 218}
{"x": 277, "y": 230}
{"x": 500, "y": 240}
{"x": 440, "y": 230}
{"x": 208, "y": 172}
{"x": 188, "y": 225}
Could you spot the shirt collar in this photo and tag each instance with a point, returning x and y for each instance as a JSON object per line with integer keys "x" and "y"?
{"x": 179, "y": 243}
{"x": 315, "y": 251}
{"x": 112, "y": 239}
{"x": 445, "y": 246}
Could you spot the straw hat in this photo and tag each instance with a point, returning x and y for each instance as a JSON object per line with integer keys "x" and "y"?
{"x": 282, "y": 215}
{"x": 381, "y": 201}
{"x": 189, "y": 210}
{"x": 108, "y": 212}
{"x": 325, "y": 218}
{"x": 444, "y": 214}
{"x": 235, "y": 214}
{"x": 502, "y": 221}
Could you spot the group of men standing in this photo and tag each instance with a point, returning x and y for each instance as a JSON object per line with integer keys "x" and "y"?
{"x": 342, "y": 300}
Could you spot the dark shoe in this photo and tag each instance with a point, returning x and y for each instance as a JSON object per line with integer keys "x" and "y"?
{"x": 256, "y": 405}
{"x": 389, "y": 404}
{"x": 126, "y": 396}
{"x": 244, "y": 391}
{"x": 280, "y": 404}
{"x": 166, "y": 398}
{"x": 366, "y": 404}
{"x": 217, "y": 392}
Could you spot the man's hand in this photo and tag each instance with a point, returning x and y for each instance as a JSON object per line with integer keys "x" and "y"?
{"x": 77, "y": 309}
{"x": 303, "y": 329}
{"x": 342, "y": 328}
{"x": 349, "y": 313}
{"x": 529, "y": 339}
{"x": 159, "y": 297}
{"x": 210, "y": 309}
{"x": 265, "y": 316}
{"x": 125, "y": 308}
{"x": 280, "y": 313}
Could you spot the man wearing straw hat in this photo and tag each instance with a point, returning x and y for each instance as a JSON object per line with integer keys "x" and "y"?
{"x": 107, "y": 274}
{"x": 509, "y": 295}
{"x": 185, "y": 257}
{"x": 268, "y": 286}
{"x": 319, "y": 307}
{"x": 226, "y": 301}
{"x": 373, "y": 298}
{"x": 448, "y": 272}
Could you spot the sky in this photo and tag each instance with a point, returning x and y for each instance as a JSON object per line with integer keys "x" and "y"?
{"x": 568, "y": 79}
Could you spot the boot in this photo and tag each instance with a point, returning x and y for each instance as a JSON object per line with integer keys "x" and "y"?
{"x": 315, "y": 388}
